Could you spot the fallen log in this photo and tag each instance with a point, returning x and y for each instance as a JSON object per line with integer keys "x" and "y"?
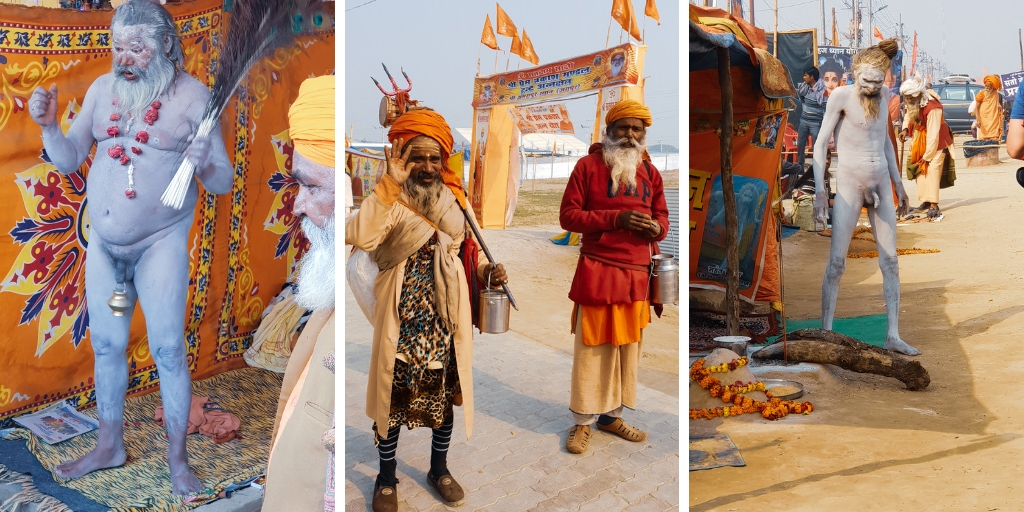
{"x": 828, "y": 347}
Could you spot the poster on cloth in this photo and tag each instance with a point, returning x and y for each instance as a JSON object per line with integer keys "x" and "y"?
{"x": 481, "y": 120}
{"x": 835, "y": 67}
{"x": 569, "y": 77}
{"x": 365, "y": 169}
{"x": 242, "y": 245}
{"x": 757, "y": 146}
{"x": 552, "y": 118}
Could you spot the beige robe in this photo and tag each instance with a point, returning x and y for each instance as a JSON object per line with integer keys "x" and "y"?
{"x": 603, "y": 376}
{"x": 297, "y": 469}
{"x": 379, "y": 217}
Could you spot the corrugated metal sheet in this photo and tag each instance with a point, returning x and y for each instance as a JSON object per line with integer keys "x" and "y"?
{"x": 671, "y": 242}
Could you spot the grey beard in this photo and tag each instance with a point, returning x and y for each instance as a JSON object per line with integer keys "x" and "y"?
{"x": 423, "y": 197}
{"x": 134, "y": 97}
{"x": 316, "y": 271}
{"x": 622, "y": 158}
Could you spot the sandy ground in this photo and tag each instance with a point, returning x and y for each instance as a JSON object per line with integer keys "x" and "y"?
{"x": 870, "y": 444}
{"x": 541, "y": 272}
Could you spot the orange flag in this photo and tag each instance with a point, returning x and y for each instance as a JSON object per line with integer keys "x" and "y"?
{"x": 878, "y": 34}
{"x": 505, "y": 25}
{"x": 651, "y": 11}
{"x": 528, "y": 53}
{"x": 517, "y": 46}
{"x": 487, "y": 38}
{"x": 622, "y": 12}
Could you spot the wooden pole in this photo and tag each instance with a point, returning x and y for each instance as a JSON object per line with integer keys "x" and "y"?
{"x": 732, "y": 273}
{"x": 751, "y": 12}
{"x": 1021, "y": 43}
{"x": 775, "y": 35}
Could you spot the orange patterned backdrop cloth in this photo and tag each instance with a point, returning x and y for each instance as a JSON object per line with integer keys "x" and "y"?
{"x": 243, "y": 244}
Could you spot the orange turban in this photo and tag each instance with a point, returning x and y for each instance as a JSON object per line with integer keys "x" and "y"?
{"x": 628, "y": 108}
{"x": 994, "y": 81}
{"x": 427, "y": 122}
{"x": 311, "y": 120}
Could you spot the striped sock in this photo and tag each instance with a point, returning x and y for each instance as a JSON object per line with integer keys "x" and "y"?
{"x": 439, "y": 448}
{"x": 387, "y": 449}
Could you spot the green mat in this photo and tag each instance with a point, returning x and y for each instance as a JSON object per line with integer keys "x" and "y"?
{"x": 869, "y": 328}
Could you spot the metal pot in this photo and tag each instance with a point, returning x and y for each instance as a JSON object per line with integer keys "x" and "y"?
{"x": 494, "y": 309}
{"x": 664, "y": 279}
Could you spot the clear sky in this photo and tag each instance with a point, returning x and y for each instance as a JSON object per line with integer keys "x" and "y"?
{"x": 437, "y": 43}
{"x": 980, "y": 36}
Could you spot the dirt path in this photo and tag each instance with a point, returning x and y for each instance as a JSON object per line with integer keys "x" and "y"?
{"x": 870, "y": 444}
{"x": 540, "y": 273}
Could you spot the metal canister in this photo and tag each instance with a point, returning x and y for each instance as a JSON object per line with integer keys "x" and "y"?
{"x": 494, "y": 309}
{"x": 664, "y": 279}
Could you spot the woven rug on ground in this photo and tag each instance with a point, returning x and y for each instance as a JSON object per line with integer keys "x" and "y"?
{"x": 24, "y": 494}
{"x": 706, "y": 325}
{"x": 143, "y": 483}
{"x": 714, "y": 452}
{"x": 870, "y": 329}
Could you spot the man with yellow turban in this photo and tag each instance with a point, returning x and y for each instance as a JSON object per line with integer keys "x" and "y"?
{"x": 988, "y": 109}
{"x": 301, "y": 452}
{"x": 616, "y": 199}
{"x": 413, "y": 227}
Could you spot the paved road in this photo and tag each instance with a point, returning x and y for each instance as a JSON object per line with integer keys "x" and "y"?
{"x": 516, "y": 459}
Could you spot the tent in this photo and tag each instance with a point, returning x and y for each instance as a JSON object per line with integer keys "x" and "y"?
{"x": 759, "y": 86}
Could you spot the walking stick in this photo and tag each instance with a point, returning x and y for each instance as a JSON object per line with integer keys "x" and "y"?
{"x": 483, "y": 245}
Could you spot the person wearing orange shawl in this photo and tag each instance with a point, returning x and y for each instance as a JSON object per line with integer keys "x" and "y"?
{"x": 616, "y": 199}
{"x": 988, "y": 109}
{"x": 924, "y": 121}
{"x": 413, "y": 226}
{"x": 301, "y": 452}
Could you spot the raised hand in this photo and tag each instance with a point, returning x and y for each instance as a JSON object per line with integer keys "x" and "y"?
{"x": 42, "y": 106}
{"x": 397, "y": 157}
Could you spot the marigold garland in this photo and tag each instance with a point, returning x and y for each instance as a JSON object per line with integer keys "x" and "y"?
{"x": 773, "y": 409}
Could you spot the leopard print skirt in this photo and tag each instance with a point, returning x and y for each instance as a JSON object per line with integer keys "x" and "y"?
{"x": 422, "y": 397}
{"x": 430, "y": 405}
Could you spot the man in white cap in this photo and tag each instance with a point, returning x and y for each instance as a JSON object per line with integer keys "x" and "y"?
{"x": 924, "y": 121}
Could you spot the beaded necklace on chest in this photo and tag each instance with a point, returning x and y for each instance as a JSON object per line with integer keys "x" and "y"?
{"x": 118, "y": 151}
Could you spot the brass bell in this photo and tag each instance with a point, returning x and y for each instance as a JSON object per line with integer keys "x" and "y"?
{"x": 119, "y": 302}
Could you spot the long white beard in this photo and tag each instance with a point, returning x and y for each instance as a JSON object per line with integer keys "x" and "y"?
{"x": 316, "y": 271}
{"x": 622, "y": 157}
{"x": 134, "y": 97}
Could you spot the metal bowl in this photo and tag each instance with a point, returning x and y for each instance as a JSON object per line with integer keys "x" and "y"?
{"x": 771, "y": 383}
{"x": 737, "y": 344}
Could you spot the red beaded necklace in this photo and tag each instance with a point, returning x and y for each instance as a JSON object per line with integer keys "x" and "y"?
{"x": 118, "y": 152}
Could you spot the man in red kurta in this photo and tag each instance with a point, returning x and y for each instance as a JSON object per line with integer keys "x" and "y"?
{"x": 616, "y": 199}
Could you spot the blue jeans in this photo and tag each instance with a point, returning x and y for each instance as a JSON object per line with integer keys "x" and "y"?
{"x": 810, "y": 128}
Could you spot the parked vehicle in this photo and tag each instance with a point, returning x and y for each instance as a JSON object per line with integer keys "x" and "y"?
{"x": 956, "y": 97}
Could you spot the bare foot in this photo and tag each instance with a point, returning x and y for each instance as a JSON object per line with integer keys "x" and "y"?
{"x": 185, "y": 482}
{"x": 98, "y": 458}
{"x": 898, "y": 345}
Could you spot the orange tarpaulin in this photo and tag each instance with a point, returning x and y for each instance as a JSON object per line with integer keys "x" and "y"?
{"x": 243, "y": 245}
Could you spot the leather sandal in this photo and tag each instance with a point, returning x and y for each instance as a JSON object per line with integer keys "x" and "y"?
{"x": 385, "y": 498}
{"x": 449, "y": 490}
{"x": 578, "y": 440}
{"x": 624, "y": 431}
